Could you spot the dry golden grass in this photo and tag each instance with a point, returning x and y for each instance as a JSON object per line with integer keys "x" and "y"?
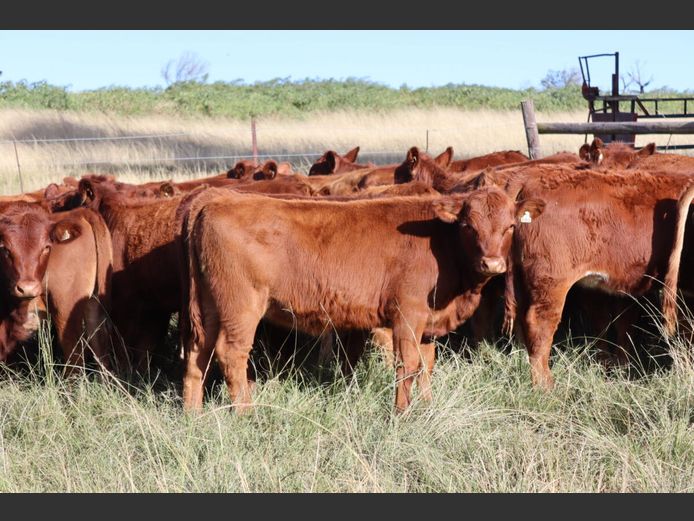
{"x": 383, "y": 137}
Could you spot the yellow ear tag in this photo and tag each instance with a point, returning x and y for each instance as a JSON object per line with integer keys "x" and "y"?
{"x": 526, "y": 218}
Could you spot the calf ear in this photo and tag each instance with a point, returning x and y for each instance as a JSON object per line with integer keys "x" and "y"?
{"x": 270, "y": 169}
{"x": 236, "y": 172}
{"x": 646, "y": 151}
{"x": 167, "y": 189}
{"x": 445, "y": 158}
{"x": 351, "y": 156}
{"x": 447, "y": 209}
{"x": 482, "y": 180}
{"x": 86, "y": 190}
{"x": 65, "y": 231}
{"x": 529, "y": 209}
{"x": 331, "y": 160}
{"x": 285, "y": 168}
{"x": 412, "y": 157}
{"x": 584, "y": 152}
{"x": 52, "y": 191}
{"x": 596, "y": 155}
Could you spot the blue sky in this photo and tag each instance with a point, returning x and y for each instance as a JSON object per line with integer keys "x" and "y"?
{"x": 92, "y": 59}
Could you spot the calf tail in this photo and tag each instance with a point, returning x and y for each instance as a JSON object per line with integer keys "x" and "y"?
{"x": 673, "y": 266}
{"x": 190, "y": 318}
{"x": 100, "y": 327}
{"x": 510, "y": 304}
{"x": 104, "y": 257}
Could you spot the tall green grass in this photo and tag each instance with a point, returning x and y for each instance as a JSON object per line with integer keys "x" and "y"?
{"x": 283, "y": 97}
{"x": 486, "y": 430}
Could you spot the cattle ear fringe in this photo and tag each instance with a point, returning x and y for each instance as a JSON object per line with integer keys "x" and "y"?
{"x": 64, "y": 231}
{"x": 351, "y": 156}
{"x": 413, "y": 156}
{"x": 270, "y": 170}
{"x": 86, "y": 189}
{"x": 445, "y": 158}
{"x": 483, "y": 179}
{"x": 648, "y": 150}
{"x": 236, "y": 172}
{"x": 52, "y": 191}
{"x": 529, "y": 209}
{"x": 167, "y": 189}
{"x": 596, "y": 147}
{"x": 584, "y": 152}
{"x": 448, "y": 209}
{"x": 331, "y": 160}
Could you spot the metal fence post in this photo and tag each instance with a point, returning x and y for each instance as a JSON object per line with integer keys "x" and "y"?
{"x": 19, "y": 169}
{"x": 254, "y": 141}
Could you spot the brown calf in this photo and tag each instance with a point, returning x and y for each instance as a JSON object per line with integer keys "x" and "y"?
{"x": 145, "y": 271}
{"x": 61, "y": 263}
{"x": 414, "y": 264}
{"x": 613, "y": 232}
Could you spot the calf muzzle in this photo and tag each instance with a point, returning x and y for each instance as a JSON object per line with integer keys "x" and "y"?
{"x": 27, "y": 289}
{"x": 492, "y": 266}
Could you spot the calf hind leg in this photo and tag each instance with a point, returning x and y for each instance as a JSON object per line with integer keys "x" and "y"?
{"x": 232, "y": 350}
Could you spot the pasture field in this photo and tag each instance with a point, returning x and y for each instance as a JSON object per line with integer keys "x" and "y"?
{"x": 211, "y": 145}
{"x": 487, "y": 429}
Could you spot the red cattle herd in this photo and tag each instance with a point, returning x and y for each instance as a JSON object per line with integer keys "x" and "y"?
{"x": 404, "y": 253}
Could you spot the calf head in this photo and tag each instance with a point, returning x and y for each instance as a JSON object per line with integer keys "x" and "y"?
{"x": 27, "y": 234}
{"x": 485, "y": 220}
{"x": 333, "y": 163}
{"x": 614, "y": 155}
{"x": 420, "y": 166}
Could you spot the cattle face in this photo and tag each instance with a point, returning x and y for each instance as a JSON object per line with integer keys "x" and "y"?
{"x": 486, "y": 220}
{"x": 26, "y": 238}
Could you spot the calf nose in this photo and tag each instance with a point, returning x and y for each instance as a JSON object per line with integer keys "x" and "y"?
{"x": 27, "y": 289}
{"x": 492, "y": 265}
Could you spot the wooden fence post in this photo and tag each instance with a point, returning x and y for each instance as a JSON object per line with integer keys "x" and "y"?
{"x": 254, "y": 141}
{"x": 528, "y": 109}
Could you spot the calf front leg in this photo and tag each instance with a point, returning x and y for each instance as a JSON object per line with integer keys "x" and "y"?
{"x": 427, "y": 354}
{"x": 407, "y": 336}
{"x": 540, "y": 322}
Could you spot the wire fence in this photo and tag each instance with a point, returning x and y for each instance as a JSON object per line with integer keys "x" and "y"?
{"x": 305, "y": 158}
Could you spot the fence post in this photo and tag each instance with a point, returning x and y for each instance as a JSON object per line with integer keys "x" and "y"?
{"x": 533, "y": 138}
{"x": 427, "y": 147}
{"x": 254, "y": 141}
{"x": 19, "y": 170}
